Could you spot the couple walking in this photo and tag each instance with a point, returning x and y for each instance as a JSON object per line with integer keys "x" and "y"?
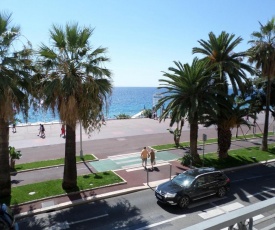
{"x": 145, "y": 154}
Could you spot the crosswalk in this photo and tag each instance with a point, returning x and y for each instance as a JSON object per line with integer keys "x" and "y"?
{"x": 130, "y": 161}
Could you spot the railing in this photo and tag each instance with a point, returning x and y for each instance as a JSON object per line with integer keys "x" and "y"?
{"x": 242, "y": 217}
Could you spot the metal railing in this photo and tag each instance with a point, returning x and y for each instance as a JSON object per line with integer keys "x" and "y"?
{"x": 242, "y": 217}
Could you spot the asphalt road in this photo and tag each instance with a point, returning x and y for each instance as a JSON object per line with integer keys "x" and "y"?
{"x": 140, "y": 210}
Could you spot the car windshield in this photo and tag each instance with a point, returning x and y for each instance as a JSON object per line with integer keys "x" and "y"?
{"x": 183, "y": 180}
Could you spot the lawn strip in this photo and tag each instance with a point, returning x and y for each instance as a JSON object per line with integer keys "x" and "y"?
{"x": 50, "y": 188}
{"x": 239, "y": 157}
{"x": 48, "y": 163}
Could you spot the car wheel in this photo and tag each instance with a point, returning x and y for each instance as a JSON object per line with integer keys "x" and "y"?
{"x": 221, "y": 192}
{"x": 184, "y": 202}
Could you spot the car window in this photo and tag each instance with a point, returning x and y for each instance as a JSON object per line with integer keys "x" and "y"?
{"x": 183, "y": 180}
{"x": 201, "y": 180}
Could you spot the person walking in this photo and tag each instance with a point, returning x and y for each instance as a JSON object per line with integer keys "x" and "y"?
{"x": 153, "y": 158}
{"x": 40, "y": 130}
{"x": 62, "y": 131}
{"x": 14, "y": 128}
{"x": 43, "y": 131}
{"x": 144, "y": 155}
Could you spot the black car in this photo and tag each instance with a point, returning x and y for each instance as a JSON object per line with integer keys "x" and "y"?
{"x": 191, "y": 185}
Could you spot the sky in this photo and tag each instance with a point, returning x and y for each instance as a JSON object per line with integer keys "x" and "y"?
{"x": 143, "y": 37}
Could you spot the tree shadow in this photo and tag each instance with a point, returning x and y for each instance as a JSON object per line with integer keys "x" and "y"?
{"x": 118, "y": 214}
{"x": 87, "y": 166}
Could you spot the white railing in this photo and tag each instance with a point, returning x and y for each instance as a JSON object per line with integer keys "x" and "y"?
{"x": 242, "y": 217}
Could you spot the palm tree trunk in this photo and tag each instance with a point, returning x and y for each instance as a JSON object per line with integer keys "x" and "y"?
{"x": 264, "y": 146}
{"x": 70, "y": 173}
{"x": 193, "y": 143}
{"x": 5, "y": 180}
{"x": 224, "y": 142}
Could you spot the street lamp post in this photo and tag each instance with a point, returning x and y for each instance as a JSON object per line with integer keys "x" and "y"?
{"x": 81, "y": 151}
{"x": 204, "y": 139}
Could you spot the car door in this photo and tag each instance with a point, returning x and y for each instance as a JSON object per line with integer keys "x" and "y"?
{"x": 200, "y": 187}
{"x": 211, "y": 183}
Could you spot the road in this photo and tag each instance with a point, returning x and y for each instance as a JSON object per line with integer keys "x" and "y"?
{"x": 140, "y": 210}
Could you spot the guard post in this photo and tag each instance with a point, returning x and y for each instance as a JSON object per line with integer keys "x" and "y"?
{"x": 204, "y": 139}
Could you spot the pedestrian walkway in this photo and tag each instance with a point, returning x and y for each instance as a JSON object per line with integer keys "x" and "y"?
{"x": 127, "y": 161}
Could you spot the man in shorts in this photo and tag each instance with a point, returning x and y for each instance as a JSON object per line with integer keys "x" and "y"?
{"x": 144, "y": 155}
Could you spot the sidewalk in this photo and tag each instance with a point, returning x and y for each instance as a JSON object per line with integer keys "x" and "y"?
{"x": 118, "y": 137}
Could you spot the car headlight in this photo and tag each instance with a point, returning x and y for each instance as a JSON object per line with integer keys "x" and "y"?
{"x": 170, "y": 195}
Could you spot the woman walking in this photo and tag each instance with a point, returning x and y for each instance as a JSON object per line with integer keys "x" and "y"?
{"x": 153, "y": 158}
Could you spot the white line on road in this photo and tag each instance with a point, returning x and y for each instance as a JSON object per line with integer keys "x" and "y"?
{"x": 258, "y": 193}
{"x": 92, "y": 218}
{"x": 162, "y": 222}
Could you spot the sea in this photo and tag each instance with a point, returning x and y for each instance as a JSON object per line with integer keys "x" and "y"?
{"x": 124, "y": 100}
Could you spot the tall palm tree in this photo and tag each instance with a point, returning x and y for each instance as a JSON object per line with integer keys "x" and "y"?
{"x": 262, "y": 53}
{"x": 228, "y": 65}
{"x": 14, "y": 88}
{"x": 228, "y": 115}
{"x": 225, "y": 64}
{"x": 75, "y": 82}
{"x": 188, "y": 93}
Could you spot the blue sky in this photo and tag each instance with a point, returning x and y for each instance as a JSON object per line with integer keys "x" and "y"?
{"x": 143, "y": 37}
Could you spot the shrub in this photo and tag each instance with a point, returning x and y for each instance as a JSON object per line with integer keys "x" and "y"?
{"x": 122, "y": 116}
{"x": 147, "y": 113}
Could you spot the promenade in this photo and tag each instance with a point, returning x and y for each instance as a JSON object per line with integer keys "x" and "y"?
{"x": 118, "y": 138}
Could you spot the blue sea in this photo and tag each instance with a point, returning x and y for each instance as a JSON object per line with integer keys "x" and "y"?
{"x": 124, "y": 100}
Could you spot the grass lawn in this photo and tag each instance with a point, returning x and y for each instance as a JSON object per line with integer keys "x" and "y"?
{"x": 209, "y": 141}
{"x": 239, "y": 157}
{"x": 47, "y": 163}
{"x": 45, "y": 189}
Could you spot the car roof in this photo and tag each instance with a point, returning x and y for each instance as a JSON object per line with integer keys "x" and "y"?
{"x": 198, "y": 171}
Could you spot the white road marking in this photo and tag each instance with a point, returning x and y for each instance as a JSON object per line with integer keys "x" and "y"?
{"x": 220, "y": 210}
{"x": 159, "y": 163}
{"x": 124, "y": 155}
{"x": 162, "y": 222}
{"x": 88, "y": 219}
{"x": 211, "y": 213}
{"x": 120, "y": 161}
{"x": 253, "y": 177}
{"x": 231, "y": 207}
{"x": 258, "y": 193}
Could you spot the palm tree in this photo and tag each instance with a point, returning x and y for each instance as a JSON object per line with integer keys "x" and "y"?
{"x": 14, "y": 88}
{"x": 75, "y": 82}
{"x": 188, "y": 93}
{"x": 228, "y": 115}
{"x": 228, "y": 65}
{"x": 225, "y": 64}
{"x": 262, "y": 53}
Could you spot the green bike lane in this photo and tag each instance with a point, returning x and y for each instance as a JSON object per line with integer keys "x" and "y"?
{"x": 130, "y": 161}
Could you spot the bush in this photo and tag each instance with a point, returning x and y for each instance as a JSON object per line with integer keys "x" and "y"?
{"x": 147, "y": 113}
{"x": 187, "y": 159}
{"x": 122, "y": 116}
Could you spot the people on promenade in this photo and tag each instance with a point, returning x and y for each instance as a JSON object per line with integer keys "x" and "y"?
{"x": 40, "y": 130}
{"x": 62, "y": 131}
{"x": 43, "y": 131}
{"x": 144, "y": 155}
{"x": 103, "y": 120}
{"x": 153, "y": 158}
{"x": 14, "y": 128}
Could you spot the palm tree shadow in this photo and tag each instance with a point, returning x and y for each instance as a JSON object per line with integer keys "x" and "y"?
{"x": 132, "y": 216}
{"x": 87, "y": 166}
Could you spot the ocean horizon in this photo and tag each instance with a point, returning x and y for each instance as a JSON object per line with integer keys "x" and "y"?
{"x": 124, "y": 100}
